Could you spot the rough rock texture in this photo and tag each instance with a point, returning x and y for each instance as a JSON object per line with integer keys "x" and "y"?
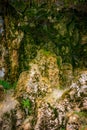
{"x": 67, "y": 112}
{"x": 39, "y": 104}
{"x": 42, "y": 77}
{"x": 39, "y": 81}
{"x": 52, "y": 109}
{"x": 7, "y": 110}
{"x": 59, "y": 33}
{"x": 9, "y": 50}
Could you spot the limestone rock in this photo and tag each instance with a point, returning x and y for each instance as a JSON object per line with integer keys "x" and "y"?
{"x": 51, "y": 108}
{"x": 39, "y": 80}
{"x": 40, "y": 105}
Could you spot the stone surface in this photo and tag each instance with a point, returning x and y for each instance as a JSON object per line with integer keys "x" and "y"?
{"x": 2, "y": 73}
{"x": 52, "y": 108}
{"x": 40, "y": 78}
{"x": 7, "y": 110}
{"x": 39, "y": 104}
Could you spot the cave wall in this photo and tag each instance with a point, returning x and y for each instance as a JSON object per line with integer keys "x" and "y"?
{"x": 62, "y": 32}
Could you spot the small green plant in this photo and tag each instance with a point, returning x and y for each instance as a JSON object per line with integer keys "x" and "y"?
{"x": 5, "y": 84}
{"x": 27, "y": 104}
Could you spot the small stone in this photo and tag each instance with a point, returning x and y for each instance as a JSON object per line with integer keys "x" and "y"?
{"x": 73, "y": 122}
{"x": 2, "y": 73}
{"x": 27, "y": 126}
{"x": 19, "y": 114}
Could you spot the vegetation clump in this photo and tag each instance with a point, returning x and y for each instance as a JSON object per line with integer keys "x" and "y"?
{"x": 7, "y": 85}
{"x": 27, "y": 106}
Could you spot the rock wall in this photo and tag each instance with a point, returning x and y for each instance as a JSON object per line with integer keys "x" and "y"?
{"x": 39, "y": 104}
{"x": 45, "y": 51}
{"x": 58, "y": 33}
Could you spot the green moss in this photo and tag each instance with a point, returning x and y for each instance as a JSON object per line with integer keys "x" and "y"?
{"x": 52, "y": 31}
{"x": 45, "y": 52}
{"x": 81, "y": 113}
{"x": 14, "y": 84}
{"x": 59, "y": 61}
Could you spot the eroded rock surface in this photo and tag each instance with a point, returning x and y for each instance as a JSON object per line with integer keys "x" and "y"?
{"x": 7, "y": 111}
{"x": 52, "y": 108}
{"x": 42, "y": 77}
{"x": 39, "y": 104}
